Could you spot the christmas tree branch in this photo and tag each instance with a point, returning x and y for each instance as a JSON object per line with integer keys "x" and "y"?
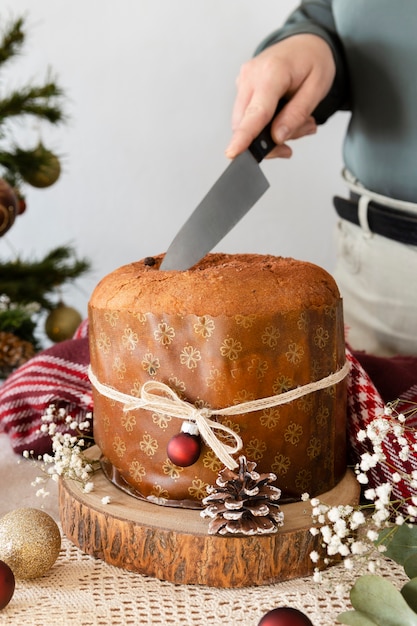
{"x": 33, "y": 101}
{"x": 38, "y": 167}
{"x": 11, "y": 167}
{"x": 25, "y": 282}
{"x": 19, "y": 322}
{"x": 8, "y": 160}
{"x": 12, "y": 40}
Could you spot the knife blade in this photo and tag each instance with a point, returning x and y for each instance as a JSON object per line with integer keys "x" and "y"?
{"x": 232, "y": 195}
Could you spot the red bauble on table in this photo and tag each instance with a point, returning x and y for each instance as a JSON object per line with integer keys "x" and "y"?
{"x": 7, "y": 584}
{"x": 184, "y": 449}
{"x": 285, "y": 616}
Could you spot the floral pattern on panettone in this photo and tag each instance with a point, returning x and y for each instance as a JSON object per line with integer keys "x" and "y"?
{"x": 220, "y": 361}
{"x": 244, "y": 502}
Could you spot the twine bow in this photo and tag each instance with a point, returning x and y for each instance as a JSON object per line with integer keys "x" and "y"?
{"x": 160, "y": 398}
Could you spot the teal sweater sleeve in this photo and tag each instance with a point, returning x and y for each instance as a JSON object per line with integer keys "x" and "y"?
{"x": 316, "y": 17}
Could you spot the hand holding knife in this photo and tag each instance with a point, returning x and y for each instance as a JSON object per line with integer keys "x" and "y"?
{"x": 232, "y": 195}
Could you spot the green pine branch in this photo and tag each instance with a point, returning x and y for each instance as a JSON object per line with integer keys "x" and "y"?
{"x": 9, "y": 160}
{"x": 12, "y": 40}
{"x": 34, "y": 281}
{"x": 36, "y": 101}
{"x": 42, "y": 101}
{"x": 19, "y": 322}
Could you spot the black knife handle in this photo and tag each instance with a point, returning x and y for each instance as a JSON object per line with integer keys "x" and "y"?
{"x": 263, "y": 143}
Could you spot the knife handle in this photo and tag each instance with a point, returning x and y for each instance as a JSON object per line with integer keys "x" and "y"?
{"x": 263, "y": 143}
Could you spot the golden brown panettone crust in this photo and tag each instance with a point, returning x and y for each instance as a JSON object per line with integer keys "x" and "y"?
{"x": 220, "y": 284}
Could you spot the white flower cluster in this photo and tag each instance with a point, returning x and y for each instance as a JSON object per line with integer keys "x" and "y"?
{"x": 68, "y": 457}
{"x": 353, "y": 533}
{"x": 339, "y": 527}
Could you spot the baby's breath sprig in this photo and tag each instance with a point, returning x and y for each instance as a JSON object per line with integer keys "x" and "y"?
{"x": 70, "y": 438}
{"x": 359, "y": 535}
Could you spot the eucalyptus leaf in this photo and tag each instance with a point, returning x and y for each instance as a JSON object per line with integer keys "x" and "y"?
{"x": 401, "y": 542}
{"x": 379, "y": 600}
{"x": 409, "y": 593}
{"x": 355, "y": 618}
{"x": 410, "y": 566}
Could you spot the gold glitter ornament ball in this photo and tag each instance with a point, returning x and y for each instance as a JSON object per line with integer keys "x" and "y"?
{"x": 62, "y": 322}
{"x": 30, "y": 542}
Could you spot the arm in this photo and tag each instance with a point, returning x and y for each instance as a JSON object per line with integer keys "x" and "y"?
{"x": 316, "y": 17}
{"x": 303, "y": 61}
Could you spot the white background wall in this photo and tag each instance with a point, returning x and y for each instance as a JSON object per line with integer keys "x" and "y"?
{"x": 150, "y": 86}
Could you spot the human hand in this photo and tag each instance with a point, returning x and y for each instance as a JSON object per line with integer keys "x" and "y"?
{"x": 300, "y": 68}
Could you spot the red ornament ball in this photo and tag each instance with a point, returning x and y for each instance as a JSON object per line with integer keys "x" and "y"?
{"x": 285, "y": 616}
{"x": 21, "y": 201}
{"x": 184, "y": 449}
{"x": 8, "y": 207}
{"x": 7, "y": 584}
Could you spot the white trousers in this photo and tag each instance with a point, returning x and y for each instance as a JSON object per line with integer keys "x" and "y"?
{"x": 377, "y": 278}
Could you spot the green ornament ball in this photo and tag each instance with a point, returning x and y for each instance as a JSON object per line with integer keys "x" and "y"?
{"x": 30, "y": 542}
{"x": 47, "y": 173}
{"x": 62, "y": 322}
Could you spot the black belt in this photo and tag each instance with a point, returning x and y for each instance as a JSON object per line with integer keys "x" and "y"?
{"x": 391, "y": 223}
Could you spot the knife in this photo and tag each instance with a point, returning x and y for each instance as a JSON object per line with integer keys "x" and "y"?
{"x": 232, "y": 195}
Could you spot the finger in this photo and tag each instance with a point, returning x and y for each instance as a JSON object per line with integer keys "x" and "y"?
{"x": 283, "y": 151}
{"x": 280, "y": 152}
{"x": 255, "y": 104}
{"x": 308, "y": 128}
{"x": 255, "y": 117}
{"x": 251, "y": 92}
{"x": 240, "y": 143}
{"x": 297, "y": 114}
{"x": 243, "y": 98}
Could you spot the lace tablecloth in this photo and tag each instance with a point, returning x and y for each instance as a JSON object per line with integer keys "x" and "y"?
{"x": 82, "y": 591}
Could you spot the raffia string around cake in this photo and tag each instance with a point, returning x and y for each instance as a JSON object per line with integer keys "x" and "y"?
{"x": 172, "y": 405}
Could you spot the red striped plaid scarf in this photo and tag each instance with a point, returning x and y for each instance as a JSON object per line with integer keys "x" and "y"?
{"x": 392, "y": 379}
{"x": 57, "y": 376}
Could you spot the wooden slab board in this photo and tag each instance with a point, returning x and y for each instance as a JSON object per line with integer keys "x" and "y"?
{"x": 173, "y": 544}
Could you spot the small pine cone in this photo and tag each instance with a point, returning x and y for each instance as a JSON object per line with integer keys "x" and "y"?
{"x": 243, "y": 502}
{"x": 13, "y": 352}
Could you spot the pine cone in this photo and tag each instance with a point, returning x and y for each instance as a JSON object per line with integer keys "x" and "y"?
{"x": 13, "y": 352}
{"x": 243, "y": 502}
